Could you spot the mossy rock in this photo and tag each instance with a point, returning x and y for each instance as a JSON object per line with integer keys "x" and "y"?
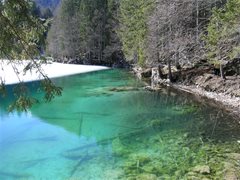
{"x": 142, "y": 158}
{"x": 149, "y": 168}
{"x": 135, "y": 163}
{"x": 156, "y": 123}
{"x": 146, "y": 177}
{"x": 204, "y": 169}
{"x": 155, "y": 167}
{"x": 118, "y": 148}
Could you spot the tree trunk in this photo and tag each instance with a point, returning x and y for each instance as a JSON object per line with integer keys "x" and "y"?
{"x": 222, "y": 71}
{"x": 160, "y": 72}
{"x": 197, "y": 22}
{"x": 170, "y": 71}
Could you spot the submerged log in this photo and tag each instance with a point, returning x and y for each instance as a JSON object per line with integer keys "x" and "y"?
{"x": 122, "y": 89}
{"x": 14, "y": 175}
{"x": 137, "y": 131}
{"x": 34, "y": 162}
{"x": 80, "y": 162}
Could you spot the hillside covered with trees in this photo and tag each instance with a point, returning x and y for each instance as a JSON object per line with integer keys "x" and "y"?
{"x": 146, "y": 32}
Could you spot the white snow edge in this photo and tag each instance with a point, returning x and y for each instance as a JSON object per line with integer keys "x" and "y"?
{"x": 52, "y": 70}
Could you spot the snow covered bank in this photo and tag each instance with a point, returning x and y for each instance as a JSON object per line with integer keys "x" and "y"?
{"x": 12, "y": 72}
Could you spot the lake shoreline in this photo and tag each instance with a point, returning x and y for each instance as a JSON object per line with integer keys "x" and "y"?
{"x": 13, "y": 72}
{"x": 229, "y": 103}
{"x": 199, "y": 82}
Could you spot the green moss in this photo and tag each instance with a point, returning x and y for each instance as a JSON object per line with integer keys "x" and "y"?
{"x": 156, "y": 123}
{"x": 119, "y": 149}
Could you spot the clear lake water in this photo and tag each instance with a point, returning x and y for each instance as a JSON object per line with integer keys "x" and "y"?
{"x": 107, "y": 126}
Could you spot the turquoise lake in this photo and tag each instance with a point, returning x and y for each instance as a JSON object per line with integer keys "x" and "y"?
{"x": 106, "y": 126}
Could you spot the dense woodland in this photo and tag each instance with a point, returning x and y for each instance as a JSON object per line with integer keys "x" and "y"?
{"x": 109, "y": 32}
{"x": 146, "y": 32}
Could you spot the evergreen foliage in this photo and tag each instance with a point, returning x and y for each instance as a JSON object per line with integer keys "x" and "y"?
{"x": 84, "y": 30}
{"x": 133, "y": 28}
{"x": 22, "y": 34}
{"x": 144, "y": 32}
{"x": 223, "y": 34}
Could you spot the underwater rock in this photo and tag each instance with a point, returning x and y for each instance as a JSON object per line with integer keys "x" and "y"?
{"x": 234, "y": 156}
{"x": 228, "y": 165}
{"x": 149, "y": 169}
{"x": 182, "y": 110}
{"x": 156, "y": 123}
{"x": 154, "y": 167}
{"x": 166, "y": 177}
{"x": 135, "y": 164}
{"x": 178, "y": 173}
{"x": 202, "y": 169}
{"x": 113, "y": 173}
{"x": 122, "y": 89}
{"x": 192, "y": 176}
{"x": 118, "y": 148}
{"x": 141, "y": 158}
{"x": 186, "y": 135}
{"x": 146, "y": 177}
{"x": 76, "y": 155}
{"x": 130, "y": 167}
{"x": 229, "y": 172}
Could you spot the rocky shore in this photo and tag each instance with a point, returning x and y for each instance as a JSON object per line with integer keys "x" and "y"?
{"x": 200, "y": 81}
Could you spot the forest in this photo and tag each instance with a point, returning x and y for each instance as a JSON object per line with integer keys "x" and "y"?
{"x": 146, "y": 33}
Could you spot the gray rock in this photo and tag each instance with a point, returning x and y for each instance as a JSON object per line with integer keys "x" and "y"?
{"x": 230, "y": 174}
{"x": 234, "y": 156}
{"x": 146, "y": 176}
{"x": 204, "y": 169}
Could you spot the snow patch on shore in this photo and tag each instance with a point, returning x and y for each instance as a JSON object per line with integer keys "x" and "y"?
{"x": 12, "y": 72}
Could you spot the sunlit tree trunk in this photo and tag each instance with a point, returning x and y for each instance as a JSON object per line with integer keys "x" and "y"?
{"x": 222, "y": 71}
{"x": 170, "y": 77}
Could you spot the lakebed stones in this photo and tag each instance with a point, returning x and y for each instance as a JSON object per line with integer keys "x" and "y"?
{"x": 141, "y": 158}
{"x": 118, "y": 148}
{"x": 234, "y": 156}
{"x": 146, "y": 177}
{"x": 229, "y": 170}
{"x": 156, "y": 123}
{"x": 182, "y": 110}
{"x": 204, "y": 169}
{"x": 230, "y": 174}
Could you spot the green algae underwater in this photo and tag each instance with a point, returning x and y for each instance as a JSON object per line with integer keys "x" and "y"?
{"x": 106, "y": 126}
